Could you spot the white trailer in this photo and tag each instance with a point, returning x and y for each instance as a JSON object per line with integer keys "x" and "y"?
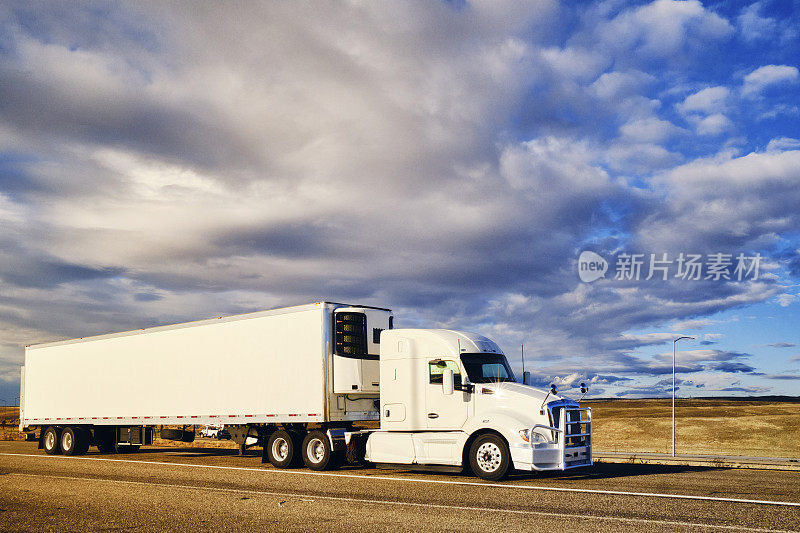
{"x": 307, "y": 366}
{"x": 296, "y": 380}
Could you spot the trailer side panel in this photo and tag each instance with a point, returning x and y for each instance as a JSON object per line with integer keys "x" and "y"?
{"x": 260, "y": 368}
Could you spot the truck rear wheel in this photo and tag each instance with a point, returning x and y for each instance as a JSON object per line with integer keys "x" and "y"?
{"x": 489, "y": 457}
{"x": 74, "y": 441}
{"x": 51, "y": 441}
{"x": 282, "y": 449}
{"x": 317, "y": 453}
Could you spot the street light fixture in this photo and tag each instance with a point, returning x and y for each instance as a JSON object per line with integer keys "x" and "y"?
{"x": 673, "y": 388}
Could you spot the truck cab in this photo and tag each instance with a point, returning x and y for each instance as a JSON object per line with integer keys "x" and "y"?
{"x": 450, "y": 400}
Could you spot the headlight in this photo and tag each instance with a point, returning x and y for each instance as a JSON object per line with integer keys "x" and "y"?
{"x": 526, "y": 435}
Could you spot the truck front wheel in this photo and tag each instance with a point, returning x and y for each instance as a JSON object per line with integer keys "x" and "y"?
{"x": 489, "y": 457}
{"x": 50, "y": 441}
{"x": 282, "y": 449}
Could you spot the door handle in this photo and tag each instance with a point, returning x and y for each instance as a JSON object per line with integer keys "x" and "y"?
{"x": 433, "y": 415}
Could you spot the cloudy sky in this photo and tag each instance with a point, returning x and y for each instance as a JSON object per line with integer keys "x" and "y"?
{"x": 163, "y": 162}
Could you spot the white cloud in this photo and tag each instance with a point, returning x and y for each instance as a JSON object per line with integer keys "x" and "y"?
{"x": 693, "y": 324}
{"x": 726, "y": 201}
{"x": 768, "y": 75}
{"x": 650, "y": 130}
{"x": 781, "y": 144}
{"x": 716, "y": 124}
{"x": 640, "y": 158}
{"x": 617, "y": 86}
{"x": 575, "y": 63}
{"x": 664, "y": 28}
{"x": 786, "y": 299}
{"x": 547, "y": 167}
{"x": 709, "y": 100}
{"x": 753, "y": 26}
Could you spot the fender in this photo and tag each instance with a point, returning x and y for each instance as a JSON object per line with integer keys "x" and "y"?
{"x": 499, "y": 421}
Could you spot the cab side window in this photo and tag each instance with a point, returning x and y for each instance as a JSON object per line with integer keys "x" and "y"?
{"x": 437, "y": 367}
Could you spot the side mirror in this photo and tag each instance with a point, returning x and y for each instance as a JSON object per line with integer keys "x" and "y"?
{"x": 526, "y": 378}
{"x": 584, "y": 388}
{"x": 553, "y": 389}
{"x": 448, "y": 382}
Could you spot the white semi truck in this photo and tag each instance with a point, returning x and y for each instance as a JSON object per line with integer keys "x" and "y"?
{"x": 298, "y": 381}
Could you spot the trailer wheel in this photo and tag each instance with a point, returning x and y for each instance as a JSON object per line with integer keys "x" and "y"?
{"x": 51, "y": 441}
{"x": 317, "y": 453}
{"x": 71, "y": 441}
{"x": 282, "y": 449}
{"x": 489, "y": 457}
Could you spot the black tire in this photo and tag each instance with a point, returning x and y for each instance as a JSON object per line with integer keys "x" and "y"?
{"x": 282, "y": 449}
{"x": 71, "y": 441}
{"x": 84, "y": 441}
{"x": 317, "y": 453}
{"x": 51, "y": 441}
{"x": 104, "y": 439}
{"x": 489, "y": 457}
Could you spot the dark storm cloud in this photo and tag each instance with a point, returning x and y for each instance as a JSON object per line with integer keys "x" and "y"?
{"x": 289, "y": 240}
{"x": 727, "y": 366}
{"x": 49, "y": 110}
{"x": 21, "y": 268}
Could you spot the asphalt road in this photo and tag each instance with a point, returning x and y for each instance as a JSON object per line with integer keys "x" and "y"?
{"x": 205, "y": 489}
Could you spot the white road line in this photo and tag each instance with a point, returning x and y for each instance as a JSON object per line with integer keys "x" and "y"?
{"x": 312, "y": 497}
{"x": 420, "y": 480}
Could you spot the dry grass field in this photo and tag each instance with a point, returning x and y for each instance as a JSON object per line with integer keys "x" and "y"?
{"x": 704, "y": 426}
{"x": 9, "y": 424}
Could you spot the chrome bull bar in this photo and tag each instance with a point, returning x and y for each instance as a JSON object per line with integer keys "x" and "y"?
{"x": 571, "y": 445}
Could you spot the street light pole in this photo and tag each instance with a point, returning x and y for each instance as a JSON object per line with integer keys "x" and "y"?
{"x": 673, "y": 389}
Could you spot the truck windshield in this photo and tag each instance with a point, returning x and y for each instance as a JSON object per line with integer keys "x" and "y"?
{"x": 487, "y": 367}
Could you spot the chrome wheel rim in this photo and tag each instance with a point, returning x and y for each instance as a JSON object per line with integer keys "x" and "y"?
{"x": 50, "y": 440}
{"x": 315, "y": 450}
{"x": 280, "y": 449}
{"x": 489, "y": 457}
{"x": 66, "y": 441}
